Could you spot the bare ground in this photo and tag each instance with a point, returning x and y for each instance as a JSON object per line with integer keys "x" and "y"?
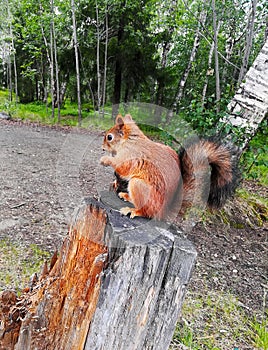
{"x": 47, "y": 171}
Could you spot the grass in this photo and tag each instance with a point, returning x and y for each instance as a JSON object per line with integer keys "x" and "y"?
{"x": 216, "y": 321}
{"x": 19, "y": 263}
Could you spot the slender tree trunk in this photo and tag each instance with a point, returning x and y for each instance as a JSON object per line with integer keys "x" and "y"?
{"x": 45, "y": 84}
{"x": 56, "y": 70}
{"x": 217, "y": 72}
{"x": 266, "y": 29}
{"x": 52, "y": 60}
{"x": 15, "y": 76}
{"x": 76, "y": 63}
{"x": 228, "y": 53}
{"x": 98, "y": 59}
{"x": 181, "y": 86}
{"x": 105, "y": 59}
{"x": 249, "y": 38}
{"x": 10, "y": 77}
{"x": 14, "y": 55}
{"x": 118, "y": 66}
{"x": 210, "y": 70}
{"x": 160, "y": 83}
{"x": 166, "y": 47}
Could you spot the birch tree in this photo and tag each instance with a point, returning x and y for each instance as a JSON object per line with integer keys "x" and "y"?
{"x": 217, "y": 72}
{"x": 75, "y": 43}
{"x": 98, "y": 33}
{"x": 182, "y": 82}
{"x": 52, "y": 87}
{"x": 250, "y": 104}
{"x": 56, "y": 69}
{"x": 105, "y": 58}
{"x": 248, "y": 44}
{"x": 210, "y": 70}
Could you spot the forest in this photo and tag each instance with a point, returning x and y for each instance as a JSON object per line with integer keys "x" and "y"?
{"x": 186, "y": 56}
{"x": 67, "y": 62}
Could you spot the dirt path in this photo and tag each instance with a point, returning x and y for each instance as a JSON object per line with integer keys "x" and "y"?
{"x": 46, "y": 172}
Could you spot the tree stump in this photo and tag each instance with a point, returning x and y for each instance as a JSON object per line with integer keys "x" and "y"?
{"x": 118, "y": 283}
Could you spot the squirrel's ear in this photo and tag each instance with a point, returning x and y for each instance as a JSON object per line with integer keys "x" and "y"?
{"x": 119, "y": 120}
{"x": 128, "y": 118}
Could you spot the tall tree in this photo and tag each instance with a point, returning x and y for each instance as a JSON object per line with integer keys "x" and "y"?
{"x": 75, "y": 44}
{"x": 217, "y": 71}
{"x": 52, "y": 68}
{"x": 201, "y": 22}
{"x": 249, "y": 38}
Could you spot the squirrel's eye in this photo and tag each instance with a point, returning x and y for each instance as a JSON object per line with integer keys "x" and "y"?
{"x": 110, "y": 137}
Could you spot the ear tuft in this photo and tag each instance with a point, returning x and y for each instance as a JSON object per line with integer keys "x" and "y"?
{"x": 128, "y": 118}
{"x": 119, "y": 120}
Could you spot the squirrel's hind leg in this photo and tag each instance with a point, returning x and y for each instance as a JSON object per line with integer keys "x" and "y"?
{"x": 128, "y": 210}
{"x": 132, "y": 211}
{"x": 139, "y": 195}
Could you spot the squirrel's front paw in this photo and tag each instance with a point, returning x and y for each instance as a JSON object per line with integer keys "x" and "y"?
{"x": 105, "y": 160}
{"x": 125, "y": 196}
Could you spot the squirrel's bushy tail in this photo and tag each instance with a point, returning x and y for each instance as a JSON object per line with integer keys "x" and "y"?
{"x": 209, "y": 173}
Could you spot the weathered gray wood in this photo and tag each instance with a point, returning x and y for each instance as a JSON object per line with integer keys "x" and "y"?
{"x": 118, "y": 283}
{"x": 143, "y": 286}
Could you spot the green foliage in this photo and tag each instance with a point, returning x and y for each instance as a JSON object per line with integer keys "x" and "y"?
{"x": 149, "y": 46}
{"x": 255, "y": 159}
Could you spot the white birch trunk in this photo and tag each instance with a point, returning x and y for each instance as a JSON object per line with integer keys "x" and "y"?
{"x": 76, "y": 63}
{"x": 105, "y": 59}
{"x": 52, "y": 60}
{"x": 217, "y": 72}
{"x": 201, "y": 22}
{"x": 249, "y": 38}
{"x": 98, "y": 59}
{"x": 209, "y": 71}
{"x": 56, "y": 71}
{"x": 250, "y": 104}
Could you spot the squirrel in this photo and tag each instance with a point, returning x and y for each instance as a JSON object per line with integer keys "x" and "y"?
{"x": 157, "y": 180}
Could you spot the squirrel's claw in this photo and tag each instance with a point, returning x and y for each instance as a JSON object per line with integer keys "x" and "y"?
{"x": 128, "y": 210}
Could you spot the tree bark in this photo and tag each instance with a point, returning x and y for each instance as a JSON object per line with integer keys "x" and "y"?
{"x": 217, "y": 72}
{"x": 105, "y": 59}
{"x": 248, "y": 45}
{"x": 75, "y": 42}
{"x": 52, "y": 87}
{"x": 117, "y": 284}
{"x": 56, "y": 70}
{"x": 98, "y": 59}
{"x": 250, "y": 104}
{"x": 118, "y": 65}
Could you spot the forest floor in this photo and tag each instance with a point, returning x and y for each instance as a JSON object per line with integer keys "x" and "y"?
{"x": 47, "y": 171}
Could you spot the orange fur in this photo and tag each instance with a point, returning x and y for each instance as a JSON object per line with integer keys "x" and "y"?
{"x": 158, "y": 180}
{"x": 151, "y": 169}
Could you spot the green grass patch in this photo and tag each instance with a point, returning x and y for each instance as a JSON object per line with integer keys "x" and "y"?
{"x": 18, "y": 263}
{"x": 215, "y": 321}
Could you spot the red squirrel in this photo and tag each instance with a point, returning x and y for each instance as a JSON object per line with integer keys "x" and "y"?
{"x": 155, "y": 179}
